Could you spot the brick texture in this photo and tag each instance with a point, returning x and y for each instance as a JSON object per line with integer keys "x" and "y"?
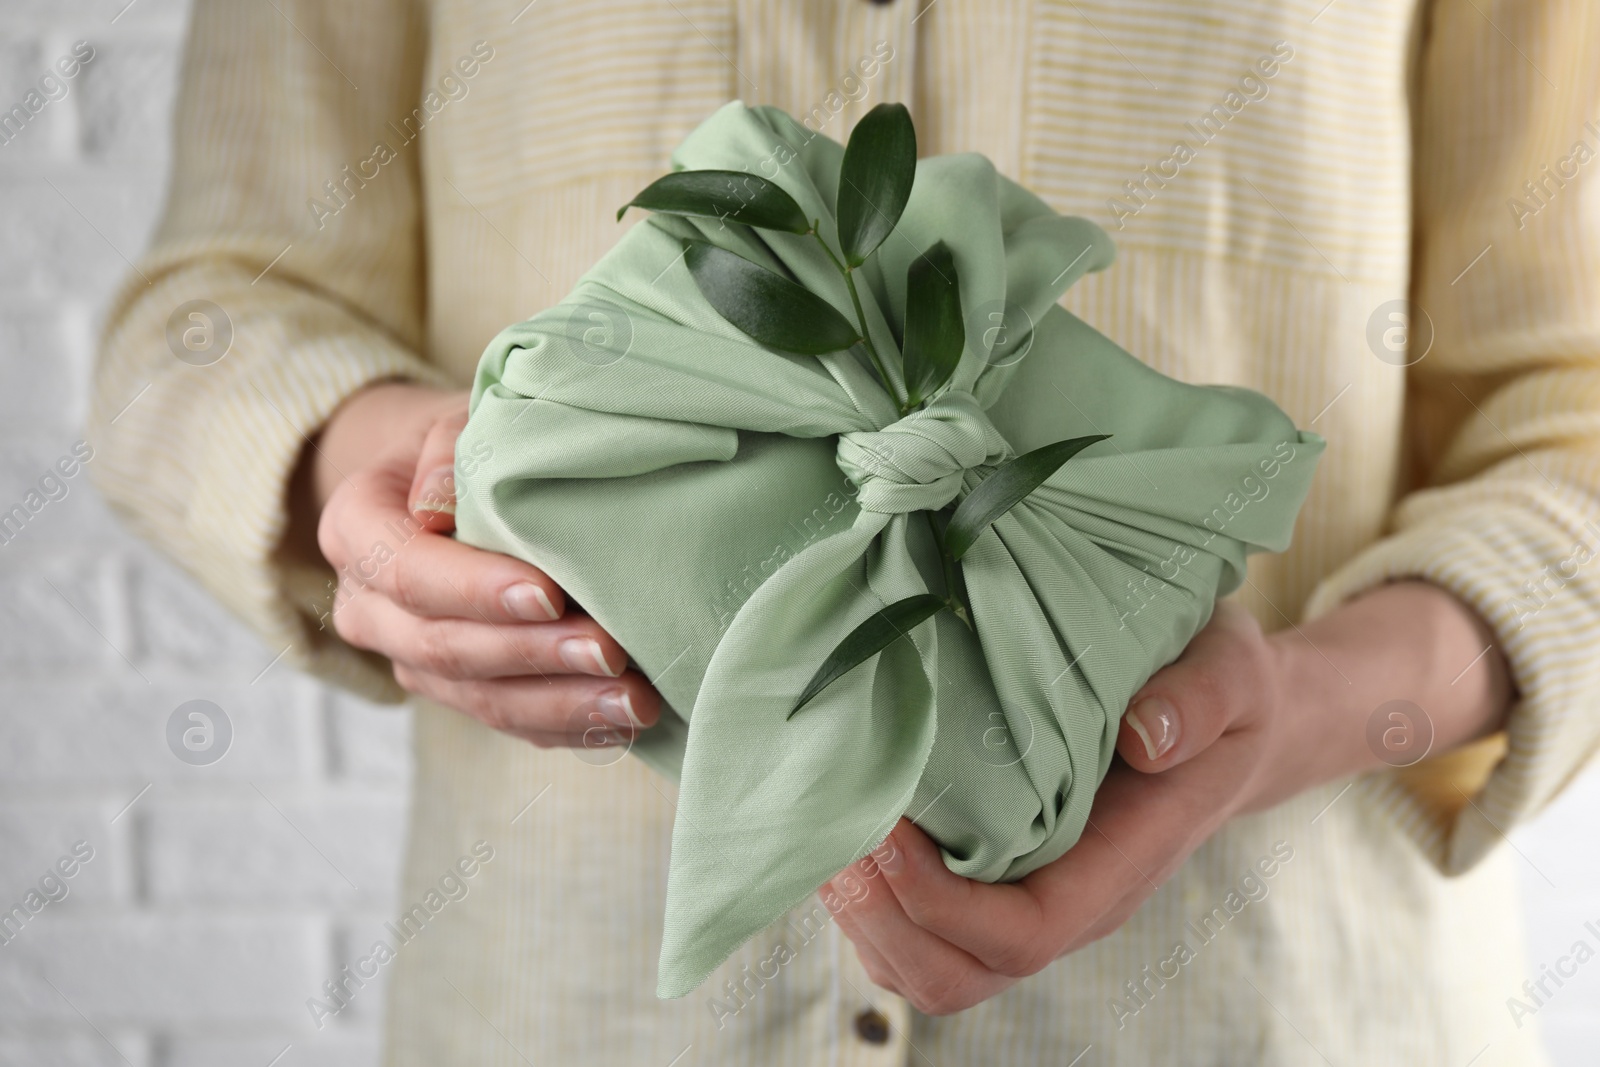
{"x": 221, "y": 896}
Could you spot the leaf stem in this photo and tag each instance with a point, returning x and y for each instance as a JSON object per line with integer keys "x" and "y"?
{"x": 952, "y": 587}
{"x": 817, "y": 233}
{"x": 952, "y": 595}
{"x": 866, "y": 339}
{"x": 861, "y": 321}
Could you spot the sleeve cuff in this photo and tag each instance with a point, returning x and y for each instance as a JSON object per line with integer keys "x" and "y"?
{"x": 237, "y": 515}
{"x": 1532, "y": 574}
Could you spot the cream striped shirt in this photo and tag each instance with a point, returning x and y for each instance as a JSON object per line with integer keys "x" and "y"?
{"x": 373, "y": 188}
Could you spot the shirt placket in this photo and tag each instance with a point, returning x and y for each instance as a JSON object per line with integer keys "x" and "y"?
{"x": 873, "y": 1025}
{"x": 828, "y": 64}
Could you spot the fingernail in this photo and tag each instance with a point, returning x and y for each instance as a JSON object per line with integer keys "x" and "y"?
{"x": 617, "y": 707}
{"x": 582, "y": 654}
{"x": 438, "y": 491}
{"x": 1156, "y": 724}
{"x": 528, "y": 602}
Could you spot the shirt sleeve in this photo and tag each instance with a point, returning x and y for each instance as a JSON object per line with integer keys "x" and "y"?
{"x": 1504, "y": 409}
{"x": 285, "y": 275}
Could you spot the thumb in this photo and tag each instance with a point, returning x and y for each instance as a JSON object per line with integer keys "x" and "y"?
{"x": 1187, "y": 705}
{"x": 432, "y": 500}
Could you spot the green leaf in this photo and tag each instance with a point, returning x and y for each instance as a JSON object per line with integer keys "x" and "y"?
{"x": 1000, "y": 492}
{"x": 867, "y": 640}
{"x": 935, "y": 332}
{"x": 770, "y": 308}
{"x": 880, "y": 163}
{"x": 722, "y": 194}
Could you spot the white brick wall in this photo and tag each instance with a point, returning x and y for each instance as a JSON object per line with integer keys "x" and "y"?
{"x": 223, "y": 895}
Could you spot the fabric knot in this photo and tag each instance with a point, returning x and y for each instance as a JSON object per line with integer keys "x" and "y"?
{"x": 917, "y": 463}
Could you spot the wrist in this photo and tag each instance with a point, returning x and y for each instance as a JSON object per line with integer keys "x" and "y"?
{"x": 1407, "y": 641}
{"x": 1312, "y": 733}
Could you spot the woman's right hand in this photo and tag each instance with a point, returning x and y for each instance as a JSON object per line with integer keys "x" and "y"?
{"x": 478, "y": 631}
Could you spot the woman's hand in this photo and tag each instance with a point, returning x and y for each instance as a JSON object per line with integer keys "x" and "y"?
{"x": 1239, "y": 723}
{"x": 478, "y": 631}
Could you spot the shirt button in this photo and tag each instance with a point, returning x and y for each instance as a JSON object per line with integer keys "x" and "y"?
{"x": 871, "y": 1025}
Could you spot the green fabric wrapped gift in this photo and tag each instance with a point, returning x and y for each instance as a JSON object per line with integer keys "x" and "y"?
{"x": 730, "y": 513}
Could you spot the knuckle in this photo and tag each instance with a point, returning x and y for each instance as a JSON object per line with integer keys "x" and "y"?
{"x": 475, "y": 700}
{"x": 1019, "y": 960}
{"x": 923, "y": 911}
{"x": 350, "y": 623}
{"x": 405, "y": 583}
{"x": 407, "y": 678}
{"x": 483, "y": 703}
{"x": 492, "y": 707}
{"x": 336, "y": 514}
{"x": 437, "y": 653}
{"x": 940, "y": 994}
{"x": 328, "y": 540}
{"x": 879, "y": 975}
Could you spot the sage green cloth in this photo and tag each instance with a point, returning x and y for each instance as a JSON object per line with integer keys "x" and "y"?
{"x": 730, "y": 513}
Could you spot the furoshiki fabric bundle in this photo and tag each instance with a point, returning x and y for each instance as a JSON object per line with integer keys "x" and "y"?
{"x": 729, "y": 513}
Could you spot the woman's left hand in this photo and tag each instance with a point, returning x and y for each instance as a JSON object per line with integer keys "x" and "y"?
{"x": 1239, "y": 723}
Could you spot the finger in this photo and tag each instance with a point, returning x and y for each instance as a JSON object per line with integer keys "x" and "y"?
{"x": 936, "y": 976}
{"x": 531, "y": 707}
{"x": 873, "y": 962}
{"x": 432, "y": 497}
{"x": 883, "y": 976}
{"x": 1186, "y": 706}
{"x": 374, "y": 543}
{"x": 1001, "y": 926}
{"x": 466, "y": 649}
